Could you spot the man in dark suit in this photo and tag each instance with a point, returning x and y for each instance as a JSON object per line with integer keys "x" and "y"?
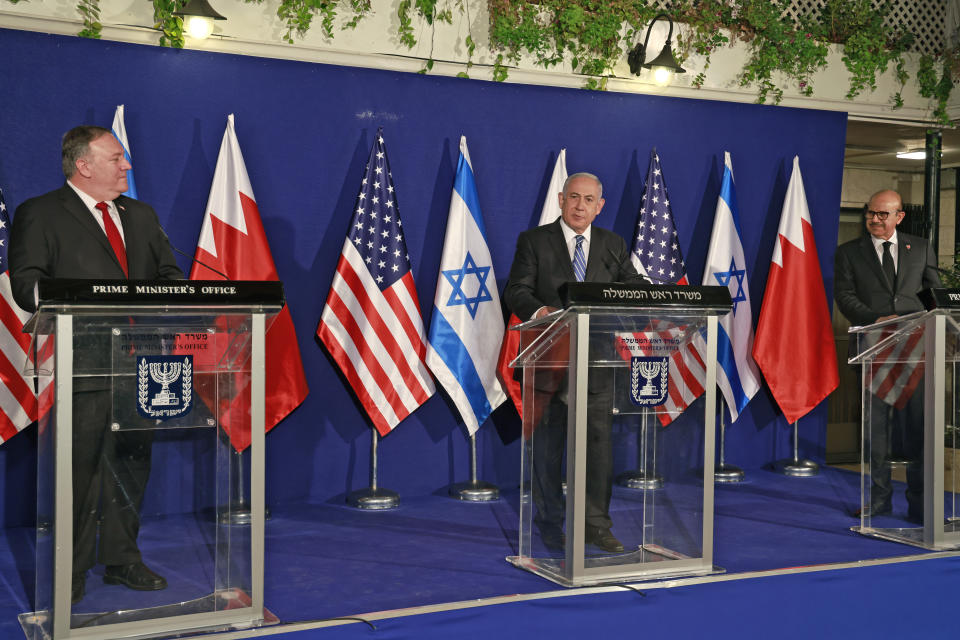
{"x": 877, "y": 277}
{"x": 87, "y": 229}
{"x": 567, "y": 250}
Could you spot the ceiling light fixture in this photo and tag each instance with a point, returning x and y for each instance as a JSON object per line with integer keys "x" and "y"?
{"x": 913, "y": 154}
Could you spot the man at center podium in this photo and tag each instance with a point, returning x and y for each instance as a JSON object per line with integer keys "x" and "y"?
{"x": 88, "y": 229}
{"x": 570, "y": 249}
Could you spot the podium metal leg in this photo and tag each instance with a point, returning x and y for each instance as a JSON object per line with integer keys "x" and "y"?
{"x": 373, "y": 497}
{"x": 474, "y": 490}
{"x": 795, "y": 467}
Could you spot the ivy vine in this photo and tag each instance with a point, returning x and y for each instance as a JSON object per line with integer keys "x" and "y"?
{"x": 89, "y": 10}
{"x": 169, "y": 25}
{"x": 298, "y": 15}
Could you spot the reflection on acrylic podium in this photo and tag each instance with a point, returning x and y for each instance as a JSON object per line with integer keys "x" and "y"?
{"x": 909, "y": 372}
{"x": 169, "y": 362}
{"x": 607, "y": 360}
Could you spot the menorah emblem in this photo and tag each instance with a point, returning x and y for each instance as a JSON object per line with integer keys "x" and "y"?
{"x": 648, "y": 370}
{"x": 656, "y": 372}
{"x": 155, "y": 377}
{"x": 163, "y": 373}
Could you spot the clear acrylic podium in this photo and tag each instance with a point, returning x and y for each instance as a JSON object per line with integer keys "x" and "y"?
{"x": 910, "y": 385}
{"x": 179, "y": 367}
{"x": 617, "y": 357}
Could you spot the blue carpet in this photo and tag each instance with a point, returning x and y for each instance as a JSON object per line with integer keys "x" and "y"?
{"x": 908, "y": 600}
{"x": 329, "y": 560}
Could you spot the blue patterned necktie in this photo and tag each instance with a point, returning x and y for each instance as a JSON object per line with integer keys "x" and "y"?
{"x": 579, "y": 261}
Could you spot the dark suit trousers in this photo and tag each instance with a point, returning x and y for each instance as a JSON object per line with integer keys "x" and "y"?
{"x": 549, "y": 440}
{"x": 110, "y": 471}
{"x": 885, "y": 420}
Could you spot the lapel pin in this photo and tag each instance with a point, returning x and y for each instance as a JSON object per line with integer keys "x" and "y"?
{"x": 908, "y": 247}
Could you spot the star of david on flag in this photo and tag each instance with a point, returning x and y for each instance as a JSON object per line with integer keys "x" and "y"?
{"x": 466, "y": 327}
{"x": 464, "y": 277}
{"x": 723, "y": 278}
{"x": 737, "y": 374}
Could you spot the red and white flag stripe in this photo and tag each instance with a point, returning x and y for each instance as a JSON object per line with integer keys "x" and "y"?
{"x": 377, "y": 340}
{"x": 898, "y": 368}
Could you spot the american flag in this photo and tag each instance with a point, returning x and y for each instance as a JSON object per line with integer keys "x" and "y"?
{"x": 17, "y": 399}
{"x": 656, "y": 247}
{"x": 656, "y": 255}
{"x": 371, "y": 323}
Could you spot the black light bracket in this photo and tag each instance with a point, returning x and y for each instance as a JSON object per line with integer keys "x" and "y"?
{"x": 666, "y": 59}
{"x": 200, "y": 8}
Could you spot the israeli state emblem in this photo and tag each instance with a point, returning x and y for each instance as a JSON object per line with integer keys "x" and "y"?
{"x": 164, "y": 386}
{"x": 649, "y": 378}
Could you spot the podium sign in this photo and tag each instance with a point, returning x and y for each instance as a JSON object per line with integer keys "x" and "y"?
{"x": 167, "y": 375}
{"x": 612, "y": 369}
{"x": 911, "y": 409}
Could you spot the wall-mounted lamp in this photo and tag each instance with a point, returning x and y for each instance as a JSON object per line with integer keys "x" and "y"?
{"x": 664, "y": 65}
{"x": 198, "y": 17}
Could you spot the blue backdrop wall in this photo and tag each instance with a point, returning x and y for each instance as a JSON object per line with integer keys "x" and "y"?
{"x": 305, "y": 131}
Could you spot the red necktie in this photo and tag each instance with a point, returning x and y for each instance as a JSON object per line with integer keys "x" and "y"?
{"x": 113, "y": 235}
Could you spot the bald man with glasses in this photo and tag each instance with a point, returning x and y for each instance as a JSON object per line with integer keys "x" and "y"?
{"x": 877, "y": 277}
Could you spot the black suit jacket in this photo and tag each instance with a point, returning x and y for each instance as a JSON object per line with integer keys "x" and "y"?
{"x": 861, "y": 289}
{"x": 56, "y": 236}
{"x": 542, "y": 263}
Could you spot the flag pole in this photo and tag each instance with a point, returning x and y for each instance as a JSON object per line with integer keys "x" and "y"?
{"x": 373, "y": 497}
{"x": 475, "y": 490}
{"x": 796, "y": 467}
{"x": 724, "y": 472}
{"x": 237, "y": 511}
{"x": 642, "y": 478}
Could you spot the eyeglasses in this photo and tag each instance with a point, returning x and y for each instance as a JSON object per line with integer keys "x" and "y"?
{"x": 879, "y": 215}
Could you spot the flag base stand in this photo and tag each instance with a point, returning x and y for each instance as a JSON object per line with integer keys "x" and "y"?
{"x": 798, "y": 468}
{"x": 238, "y": 513}
{"x": 640, "y": 480}
{"x": 795, "y": 467}
{"x": 476, "y": 491}
{"x": 373, "y": 499}
{"x": 727, "y": 473}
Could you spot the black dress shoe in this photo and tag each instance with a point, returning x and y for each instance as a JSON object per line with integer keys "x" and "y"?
{"x": 135, "y": 576}
{"x": 78, "y": 587}
{"x": 604, "y": 539}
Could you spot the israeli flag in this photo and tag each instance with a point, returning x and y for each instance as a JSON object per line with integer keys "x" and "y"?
{"x": 120, "y": 133}
{"x": 466, "y": 326}
{"x": 738, "y": 376}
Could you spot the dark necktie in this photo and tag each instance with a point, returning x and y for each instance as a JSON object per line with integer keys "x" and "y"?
{"x": 113, "y": 235}
{"x": 579, "y": 260}
{"x": 887, "y": 263}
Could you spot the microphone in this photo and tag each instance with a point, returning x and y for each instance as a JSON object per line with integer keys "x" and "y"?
{"x": 192, "y": 258}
